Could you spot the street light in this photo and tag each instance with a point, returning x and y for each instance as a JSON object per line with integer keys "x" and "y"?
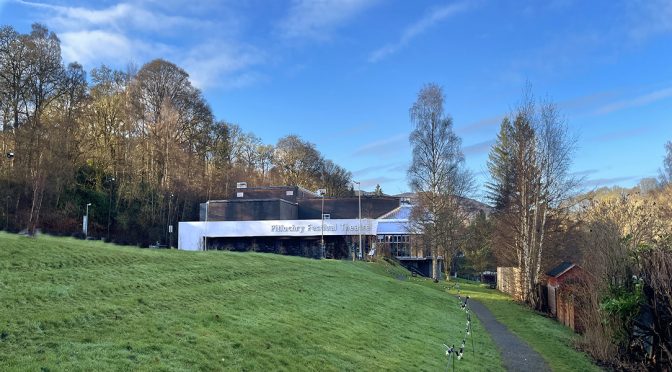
{"x": 10, "y": 158}
{"x": 359, "y": 194}
{"x": 321, "y": 193}
{"x": 86, "y": 223}
{"x": 109, "y": 205}
{"x": 170, "y": 222}
{"x": 205, "y": 238}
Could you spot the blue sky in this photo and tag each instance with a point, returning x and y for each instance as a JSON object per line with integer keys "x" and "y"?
{"x": 343, "y": 73}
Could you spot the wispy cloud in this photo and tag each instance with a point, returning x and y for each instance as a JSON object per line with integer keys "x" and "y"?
{"x": 311, "y": 19}
{"x": 478, "y": 148}
{"x": 432, "y": 18}
{"x": 624, "y": 134}
{"x": 398, "y": 168}
{"x": 480, "y": 124}
{"x": 606, "y": 181}
{"x": 126, "y": 32}
{"x": 395, "y": 168}
{"x": 638, "y": 101}
{"x": 210, "y": 61}
{"x": 91, "y": 46}
{"x": 348, "y": 132}
{"x": 588, "y": 101}
{"x": 383, "y": 147}
{"x": 650, "y": 18}
{"x": 117, "y": 16}
{"x": 584, "y": 172}
{"x": 372, "y": 182}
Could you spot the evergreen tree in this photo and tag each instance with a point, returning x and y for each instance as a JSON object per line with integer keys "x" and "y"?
{"x": 378, "y": 191}
{"x": 501, "y": 170}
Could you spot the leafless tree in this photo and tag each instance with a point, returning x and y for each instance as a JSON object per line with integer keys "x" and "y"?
{"x": 437, "y": 175}
{"x": 531, "y": 184}
{"x": 297, "y": 162}
{"x": 665, "y": 176}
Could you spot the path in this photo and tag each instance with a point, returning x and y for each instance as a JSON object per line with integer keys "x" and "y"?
{"x": 516, "y": 354}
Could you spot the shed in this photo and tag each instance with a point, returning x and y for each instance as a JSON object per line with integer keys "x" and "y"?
{"x": 561, "y": 302}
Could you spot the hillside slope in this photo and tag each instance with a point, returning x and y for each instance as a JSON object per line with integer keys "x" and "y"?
{"x": 67, "y": 304}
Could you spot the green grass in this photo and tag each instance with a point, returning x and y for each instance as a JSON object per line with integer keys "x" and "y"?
{"x": 74, "y": 305}
{"x": 548, "y": 337}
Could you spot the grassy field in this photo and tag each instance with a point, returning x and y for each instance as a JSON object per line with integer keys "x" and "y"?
{"x": 549, "y": 338}
{"x": 67, "y": 304}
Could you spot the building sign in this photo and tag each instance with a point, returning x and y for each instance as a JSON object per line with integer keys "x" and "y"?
{"x": 192, "y": 233}
{"x": 336, "y": 228}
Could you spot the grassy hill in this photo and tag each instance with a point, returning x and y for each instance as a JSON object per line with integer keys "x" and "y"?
{"x": 67, "y": 304}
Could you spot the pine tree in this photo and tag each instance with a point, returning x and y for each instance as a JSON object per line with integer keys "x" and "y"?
{"x": 501, "y": 186}
{"x": 378, "y": 191}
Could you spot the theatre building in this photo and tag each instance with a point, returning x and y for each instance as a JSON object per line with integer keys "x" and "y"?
{"x": 295, "y": 221}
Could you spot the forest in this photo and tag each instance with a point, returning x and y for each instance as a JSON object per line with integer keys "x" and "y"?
{"x": 141, "y": 146}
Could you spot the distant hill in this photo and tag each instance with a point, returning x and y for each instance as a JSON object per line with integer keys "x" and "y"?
{"x": 472, "y": 205}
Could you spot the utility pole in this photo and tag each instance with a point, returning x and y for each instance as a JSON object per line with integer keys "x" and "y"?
{"x": 321, "y": 193}
{"x": 10, "y": 158}
{"x": 359, "y": 192}
{"x": 205, "y": 238}
{"x": 170, "y": 222}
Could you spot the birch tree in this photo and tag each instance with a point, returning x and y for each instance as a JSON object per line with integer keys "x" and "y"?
{"x": 530, "y": 185}
{"x": 665, "y": 176}
{"x": 437, "y": 175}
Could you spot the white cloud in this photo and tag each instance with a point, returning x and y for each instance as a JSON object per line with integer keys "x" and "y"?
{"x": 642, "y": 100}
{"x": 132, "y": 32}
{"x": 387, "y": 146}
{"x": 223, "y": 64}
{"x": 118, "y": 16}
{"x": 478, "y": 148}
{"x": 435, "y": 16}
{"x": 90, "y": 47}
{"x": 315, "y": 19}
{"x": 650, "y": 18}
{"x": 382, "y": 180}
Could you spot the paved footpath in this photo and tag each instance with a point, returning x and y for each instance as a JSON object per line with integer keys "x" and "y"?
{"x": 516, "y": 354}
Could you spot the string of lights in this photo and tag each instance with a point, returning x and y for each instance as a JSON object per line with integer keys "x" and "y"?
{"x": 452, "y": 352}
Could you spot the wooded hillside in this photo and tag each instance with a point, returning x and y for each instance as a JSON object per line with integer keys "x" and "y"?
{"x": 141, "y": 145}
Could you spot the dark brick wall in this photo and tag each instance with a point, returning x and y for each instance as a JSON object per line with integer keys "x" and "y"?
{"x": 251, "y": 210}
{"x": 372, "y": 207}
{"x": 274, "y": 192}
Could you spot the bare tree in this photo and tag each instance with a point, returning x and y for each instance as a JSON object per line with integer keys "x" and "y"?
{"x": 666, "y": 173}
{"x": 531, "y": 184}
{"x": 335, "y": 179}
{"x": 297, "y": 162}
{"x": 265, "y": 160}
{"x": 437, "y": 175}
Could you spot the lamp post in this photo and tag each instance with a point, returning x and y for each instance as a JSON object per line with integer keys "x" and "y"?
{"x": 10, "y": 158}
{"x": 321, "y": 193}
{"x": 109, "y": 205}
{"x": 86, "y": 224}
{"x": 359, "y": 194}
{"x": 205, "y": 238}
{"x": 170, "y": 222}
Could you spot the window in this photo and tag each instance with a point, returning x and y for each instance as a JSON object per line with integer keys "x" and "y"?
{"x": 399, "y": 245}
